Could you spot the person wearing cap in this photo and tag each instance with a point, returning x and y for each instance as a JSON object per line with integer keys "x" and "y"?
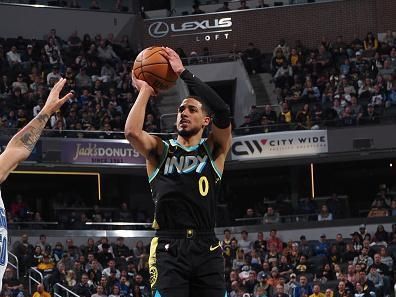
{"x": 322, "y": 247}
{"x": 265, "y": 287}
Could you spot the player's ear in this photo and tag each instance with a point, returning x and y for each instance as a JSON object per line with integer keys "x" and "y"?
{"x": 206, "y": 121}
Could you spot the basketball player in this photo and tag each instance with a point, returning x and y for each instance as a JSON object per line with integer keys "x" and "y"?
{"x": 18, "y": 150}
{"x": 184, "y": 176}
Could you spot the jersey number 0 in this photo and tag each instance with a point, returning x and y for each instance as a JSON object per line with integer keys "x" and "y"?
{"x": 203, "y": 186}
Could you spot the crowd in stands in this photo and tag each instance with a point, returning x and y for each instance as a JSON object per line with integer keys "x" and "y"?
{"x": 282, "y": 210}
{"x": 339, "y": 83}
{"x": 76, "y": 215}
{"x": 359, "y": 264}
{"x": 97, "y": 68}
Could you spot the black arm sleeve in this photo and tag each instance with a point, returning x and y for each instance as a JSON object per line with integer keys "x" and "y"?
{"x": 196, "y": 87}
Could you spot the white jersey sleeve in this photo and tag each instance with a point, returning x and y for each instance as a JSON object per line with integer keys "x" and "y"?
{"x": 3, "y": 241}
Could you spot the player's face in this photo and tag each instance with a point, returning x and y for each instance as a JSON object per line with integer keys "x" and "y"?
{"x": 191, "y": 119}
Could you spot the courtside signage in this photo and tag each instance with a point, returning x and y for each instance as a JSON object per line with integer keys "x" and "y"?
{"x": 204, "y": 30}
{"x": 279, "y": 145}
{"x": 91, "y": 151}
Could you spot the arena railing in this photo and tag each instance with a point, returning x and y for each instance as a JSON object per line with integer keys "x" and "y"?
{"x": 14, "y": 265}
{"x": 58, "y": 288}
{"x": 37, "y": 280}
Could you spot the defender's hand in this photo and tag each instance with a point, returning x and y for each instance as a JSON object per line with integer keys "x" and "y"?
{"x": 53, "y": 102}
{"x": 174, "y": 60}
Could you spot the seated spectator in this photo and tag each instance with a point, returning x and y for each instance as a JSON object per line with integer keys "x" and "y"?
{"x": 271, "y": 216}
{"x": 310, "y": 92}
{"x": 302, "y": 266}
{"x": 303, "y": 288}
{"x": 14, "y": 58}
{"x": 316, "y": 291}
{"x": 40, "y": 292}
{"x": 378, "y": 210}
{"x": 99, "y": 292}
{"x": 277, "y": 61}
{"x": 82, "y": 288}
{"x": 20, "y": 84}
{"x": 363, "y": 258}
{"x": 324, "y": 214}
{"x": 250, "y": 216}
{"x": 304, "y": 118}
{"x": 283, "y": 76}
{"x": 245, "y": 243}
{"x": 11, "y": 285}
{"x": 243, "y": 5}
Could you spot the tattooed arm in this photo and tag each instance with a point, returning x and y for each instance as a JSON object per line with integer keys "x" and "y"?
{"x": 22, "y": 144}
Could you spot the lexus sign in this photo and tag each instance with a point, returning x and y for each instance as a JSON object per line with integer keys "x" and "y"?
{"x": 204, "y": 30}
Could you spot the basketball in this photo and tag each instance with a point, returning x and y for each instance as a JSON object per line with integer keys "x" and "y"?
{"x": 153, "y": 67}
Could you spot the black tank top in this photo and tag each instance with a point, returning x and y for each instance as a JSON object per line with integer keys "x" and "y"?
{"x": 184, "y": 187}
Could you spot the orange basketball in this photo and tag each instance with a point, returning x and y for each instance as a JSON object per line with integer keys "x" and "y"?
{"x": 152, "y": 67}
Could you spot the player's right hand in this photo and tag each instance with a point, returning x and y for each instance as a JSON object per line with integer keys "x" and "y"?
{"x": 141, "y": 84}
{"x": 174, "y": 60}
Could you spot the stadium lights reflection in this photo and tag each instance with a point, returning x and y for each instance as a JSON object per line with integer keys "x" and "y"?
{"x": 312, "y": 182}
{"x": 97, "y": 174}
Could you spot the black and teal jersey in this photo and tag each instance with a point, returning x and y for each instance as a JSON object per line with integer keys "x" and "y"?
{"x": 184, "y": 187}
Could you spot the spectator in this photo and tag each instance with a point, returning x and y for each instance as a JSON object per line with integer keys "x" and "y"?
{"x": 20, "y": 84}
{"x": 274, "y": 240}
{"x": 245, "y": 243}
{"x": 99, "y": 292}
{"x": 83, "y": 289}
{"x": 104, "y": 256}
{"x": 303, "y": 288}
{"x": 316, "y": 291}
{"x": 324, "y": 214}
{"x": 11, "y": 285}
{"x": 251, "y": 58}
{"x": 40, "y": 292}
{"x": 243, "y": 5}
{"x": 271, "y": 216}
{"x": 14, "y": 58}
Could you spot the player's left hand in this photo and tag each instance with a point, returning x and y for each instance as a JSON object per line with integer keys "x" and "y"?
{"x": 53, "y": 102}
{"x": 174, "y": 60}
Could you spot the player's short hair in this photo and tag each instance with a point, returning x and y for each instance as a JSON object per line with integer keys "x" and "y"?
{"x": 205, "y": 107}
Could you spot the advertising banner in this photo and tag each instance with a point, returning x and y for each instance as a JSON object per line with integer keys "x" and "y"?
{"x": 94, "y": 151}
{"x": 279, "y": 145}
